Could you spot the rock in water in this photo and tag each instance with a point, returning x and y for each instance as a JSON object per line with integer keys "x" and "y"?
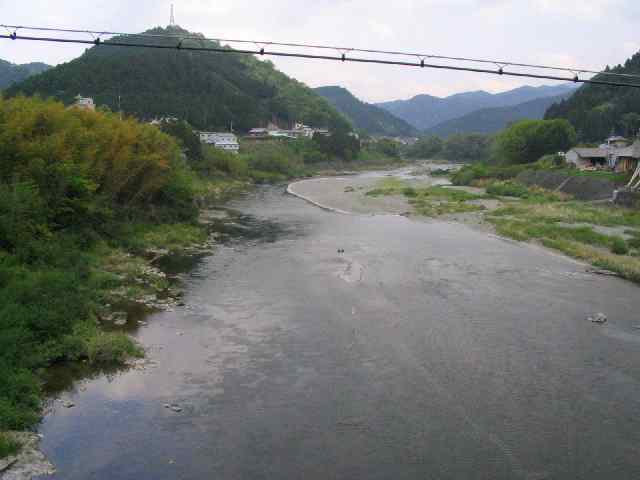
{"x": 598, "y": 318}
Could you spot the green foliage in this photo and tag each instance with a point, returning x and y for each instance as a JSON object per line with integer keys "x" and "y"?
{"x": 107, "y": 348}
{"x": 8, "y": 445}
{"x": 596, "y": 110}
{"x": 462, "y": 147}
{"x": 216, "y": 161}
{"x": 69, "y": 179}
{"x": 481, "y": 171}
{"x": 619, "y": 246}
{"x": 508, "y": 189}
{"x": 275, "y": 158}
{"x": 466, "y": 147}
{"x": 209, "y": 91}
{"x": 11, "y": 73}
{"x": 528, "y": 140}
{"x": 82, "y": 165}
{"x": 425, "y": 148}
{"x": 186, "y": 135}
{"x": 341, "y": 144}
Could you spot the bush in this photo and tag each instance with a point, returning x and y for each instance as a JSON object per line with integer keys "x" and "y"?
{"x": 528, "y": 140}
{"x": 508, "y": 189}
{"x": 216, "y": 161}
{"x": 69, "y": 179}
{"x": 8, "y": 446}
{"x": 480, "y": 171}
{"x": 110, "y": 348}
{"x": 619, "y": 246}
{"x": 409, "y": 192}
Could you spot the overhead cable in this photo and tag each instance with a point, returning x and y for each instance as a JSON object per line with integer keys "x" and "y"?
{"x": 345, "y": 54}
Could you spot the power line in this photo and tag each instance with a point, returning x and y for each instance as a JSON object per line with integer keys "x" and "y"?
{"x": 96, "y": 40}
{"x": 502, "y": 63}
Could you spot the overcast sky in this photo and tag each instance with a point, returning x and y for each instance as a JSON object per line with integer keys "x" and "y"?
{"x": 583, "y": 33}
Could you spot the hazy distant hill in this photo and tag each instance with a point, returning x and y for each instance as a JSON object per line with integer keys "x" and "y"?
{"x": 364, "y": 116}
{"x": 11, "y": 73}
{"x": 210, "y": 90}
{"x": 492, "y": 120}
{"x": 426, "y": 111}
{"x": 596, "y": 110}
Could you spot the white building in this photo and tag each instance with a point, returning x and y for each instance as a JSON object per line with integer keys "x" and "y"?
{"x": 159, "y": 121}
{"x": 222, "y": 140}
{"x": 85, "y": 103}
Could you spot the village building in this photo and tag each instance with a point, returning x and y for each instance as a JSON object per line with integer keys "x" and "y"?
{"x": 221, "y": 140}
{"x": 84, "y": 103}
{"x": 299, "y": 130}
{"x": 615, "y": 154}
{"x": 159, "y": 121}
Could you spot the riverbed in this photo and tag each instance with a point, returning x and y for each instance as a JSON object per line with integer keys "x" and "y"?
{"x": 425, "y": 350}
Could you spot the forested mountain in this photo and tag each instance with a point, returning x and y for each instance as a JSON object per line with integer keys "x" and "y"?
{"x": 364, "y": 116}
{"x": 209, "y": 90}
{"x": 426, "y": 111}
{"x": 597, "y": 110}
{"x": 492, "y": 120}
{"x": 11, "y": 73}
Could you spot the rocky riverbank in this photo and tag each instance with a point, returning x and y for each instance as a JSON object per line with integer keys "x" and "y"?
{"x": 136, "y": 285}
{"x": 605, "y": 236}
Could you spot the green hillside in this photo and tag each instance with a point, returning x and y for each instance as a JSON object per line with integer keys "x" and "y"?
{"x": 209, "y": 90}
{"x": 596, "y": 110}
{"x": 364, "y": 116}
{"x": 11, "y": 73}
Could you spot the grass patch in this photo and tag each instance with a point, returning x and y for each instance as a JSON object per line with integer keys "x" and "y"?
{"x": 619, "y": 246}
{"x": 626, "y": 267}
{"x": 508, "y": 189}
{"x": 431, "y": 201}
{"x": 523, "y": 230}
{"x": 572, "y": 212}
{"x": 388, "y": 186}
{"x": 108, "y": 348}
{"x": 436, "y": 209}
{"x": 173, "y": 237}
{"x": 8, "y": 445}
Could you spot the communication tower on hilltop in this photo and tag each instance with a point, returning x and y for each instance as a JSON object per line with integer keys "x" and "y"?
{"x": 172, "y": 20}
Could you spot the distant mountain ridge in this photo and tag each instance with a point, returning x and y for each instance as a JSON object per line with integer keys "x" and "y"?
{"x": 11, "y": 73}
{"x": 426, "y": 111}
{"x": 365, "y": 116}
{"x": 209, "y": 90}
{"x": 492, "y": 120}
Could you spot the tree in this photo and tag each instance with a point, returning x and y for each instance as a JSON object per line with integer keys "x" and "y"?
{"x": 426, "y": 147}
{"x": 466, "y": 147}
{"x": 528, "y": 140}
{"x": 339, "y": 144}
{"x": 630, "y": 123}
{"x": 186, "y": 135}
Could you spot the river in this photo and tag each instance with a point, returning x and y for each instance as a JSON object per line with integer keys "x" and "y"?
{"x": 427, "y": 350}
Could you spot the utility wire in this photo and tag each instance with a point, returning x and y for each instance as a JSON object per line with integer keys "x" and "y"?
{"x": 500, "y": 63}
{"x": 343, "y": 54}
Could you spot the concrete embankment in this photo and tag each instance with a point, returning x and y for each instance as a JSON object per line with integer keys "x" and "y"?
{"x": 580, "y": 187}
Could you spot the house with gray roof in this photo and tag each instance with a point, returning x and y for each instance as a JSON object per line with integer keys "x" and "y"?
{"x": 615, "y": 154}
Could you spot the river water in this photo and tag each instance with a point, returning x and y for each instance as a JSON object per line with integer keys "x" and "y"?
{"x": 426, "y": 351}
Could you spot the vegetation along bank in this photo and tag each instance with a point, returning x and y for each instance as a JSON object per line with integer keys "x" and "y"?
{"x": 87, "y": 201}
